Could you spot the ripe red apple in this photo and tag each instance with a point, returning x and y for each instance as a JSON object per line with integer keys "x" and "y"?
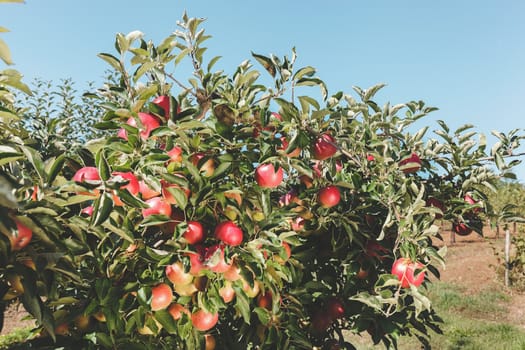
{"x": 227, "y": 292}
{"x": 461, "y": 228}
{"x": 265, "y": 300}
{"x": 404, "y": 269}
{"x": 470, "y": 200}
{"x": 284, "y": 145}
{"x": 207, "y": 168}
{"x": 203, "y": 320}
{"x": 195, "y": 232}
{"x": 196, "y": 261}
{"x": 436, "y": 203}
{"x": 163, "y": 102}
{"x": 176, "y": 311}
{"x": 214, "y": 259}
{"x": 324, "y": 147}
{"x": 132, "y": 186}
{"x": 22, "y": 237}
{"x": 209, "y": 342}
{"x": 148, "y": 121}
{"x": 410, "y": 164}
{"x": 297, "y": 224}
{"x": 266, "y": 176}
{"x": 157, "y": 206}
{"x": 233, "y": 273}
{"x": 251, "y": 291}
{"x": 146, "y": 192}
{"x": 175, "y": 154}
{"x": 166, "y": 194}
{"x": 335, "y": 308}
{"x": 306, "y": 180}
{"x": 176, "y": 274}
{"x": 82, "y": 322}
{"x": 87, "y": 174}
{"x": 329, "y": 196}
{"x": 375, "y": 250}
{"x": 229, "y": 233}
{"x": 161, "y": 297}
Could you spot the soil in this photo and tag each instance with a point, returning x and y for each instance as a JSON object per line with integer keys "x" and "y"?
{"x": 471, "y": 264}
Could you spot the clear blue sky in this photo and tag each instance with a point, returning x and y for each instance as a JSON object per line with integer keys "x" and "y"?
{"x": 466, "y": 57}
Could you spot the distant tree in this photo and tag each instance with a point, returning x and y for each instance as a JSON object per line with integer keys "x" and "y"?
{"x": 59, "y": 118}
{"x": 506, "y": 204}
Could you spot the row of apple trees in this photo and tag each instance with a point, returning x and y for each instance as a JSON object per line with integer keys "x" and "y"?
{"x": 235, "y": 211}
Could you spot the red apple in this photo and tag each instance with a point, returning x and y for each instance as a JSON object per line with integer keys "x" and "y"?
{"x": 148, "y": 121}
{"x": 376, "y": 250}
{"x": 146, "y": 192}
{"x": 233, "y": 273}
{"x": 176, "y": 311}
{"x": 284, "y": 145}
{"x": 267, "y": 177}
{"x": 227, "y": 292}
{"x": 335, "y": 308}
{"x": 175, "y": 154}
{"x": 87, "y": 174}
{"x": 265, "y": 300}
{"x": 329, "y": 196}
{"x": 229, "y": 233}
{"x": 461, "y": 228}
{"x": 410, "y": 164}
{"x": 168, "y": 197}
{"x": 161, "y": 296}
{"x": 324, "y": 147}
{"x": 196, "y": 261}
{"x": 404, "y": 269}
{"x": 470, "y": 200}
{"x": 203, "y": 320}
{"x": 176, "y": 274}
{"x": 22, "y": 237}
{"x": 195, "y": 232}
{"x": 163, "y": 102}
{"x": 132, "y": 186}
{"x": 214, "y": 259}
{"x": 306, "y": 180}
{"x": 436, "y": 203}
{"x": 207, "y": 168}
{"x": 157, "y": 206}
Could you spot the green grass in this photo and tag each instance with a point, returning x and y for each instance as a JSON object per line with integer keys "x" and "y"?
{"x": 471, "y": 322}
{"x": 17, "y": 336}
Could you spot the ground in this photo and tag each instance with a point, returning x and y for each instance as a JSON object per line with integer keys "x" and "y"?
{"x": 471, "y": 265}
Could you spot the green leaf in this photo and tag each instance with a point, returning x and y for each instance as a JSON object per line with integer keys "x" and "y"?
{"x": 101, "y": 209}
{"x": 5, "y": 54}
{"x": 55, "y": 168}
{"x": 111, "y": 60}
{"x": 242, "y": 303}
{"x": 266, "y": 62}
{"x": 7, "y": 198}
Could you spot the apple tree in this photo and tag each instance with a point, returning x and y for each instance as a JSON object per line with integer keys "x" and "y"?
{"x": 227, "y": 212}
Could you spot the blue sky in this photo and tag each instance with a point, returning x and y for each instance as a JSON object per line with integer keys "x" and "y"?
{"x": 466, "y": 57}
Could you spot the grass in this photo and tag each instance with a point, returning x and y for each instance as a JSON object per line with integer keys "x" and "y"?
{"x": 471, "y": 322}
{"x": 17, "y": 336}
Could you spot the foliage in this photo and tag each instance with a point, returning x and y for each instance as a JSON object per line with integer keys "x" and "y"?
{"x": 98, "y": 257}
{"x": 57, "y": 120}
